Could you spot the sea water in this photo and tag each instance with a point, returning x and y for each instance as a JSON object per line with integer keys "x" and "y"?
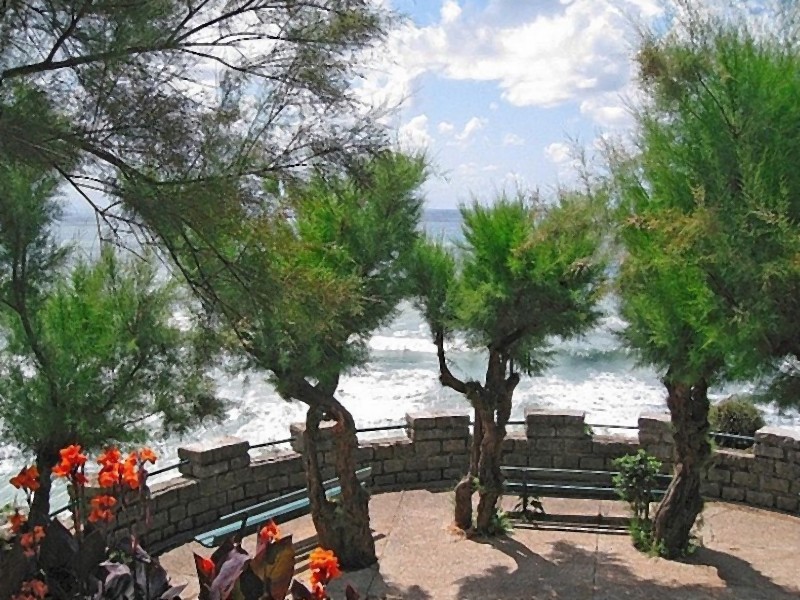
{"x": 593, "y": 373}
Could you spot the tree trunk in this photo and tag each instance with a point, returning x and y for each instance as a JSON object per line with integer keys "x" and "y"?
{"x": 682, "y": 502}
{"x": 466, "y": 487}
{"x": 489, "y": 475}
{"x": 342, "y": 525}
{"x": 46, "y": 459}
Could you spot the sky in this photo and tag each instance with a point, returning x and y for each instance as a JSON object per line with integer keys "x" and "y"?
{"x": 498, "y": 91}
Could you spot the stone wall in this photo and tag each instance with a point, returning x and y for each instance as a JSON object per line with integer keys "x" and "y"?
{"x": 221, "y": 476}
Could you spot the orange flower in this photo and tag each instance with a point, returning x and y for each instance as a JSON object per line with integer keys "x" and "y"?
{"x": 324, "y": 566}
{"x": 17, "y": 520}
{"x": 270, "y": 532}
{"x": 28, "y": 479}
{"x": 32, "y": 590}
{"x": 109, "y": 478}
{"x": 30, "y": 541}
{"x": 147, "y": 455}
{"x": 110, "y": 458}
{"x": 73, "y": 456}
{"x": 102, "y": 509}
{"x": 130, "y": 473}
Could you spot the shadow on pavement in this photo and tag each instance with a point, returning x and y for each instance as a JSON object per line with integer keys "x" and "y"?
{"x": 571, "y": 572}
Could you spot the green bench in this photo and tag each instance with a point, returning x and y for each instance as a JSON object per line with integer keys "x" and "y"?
{"x": 530, "y": 483}
{"x": 281, "y": 509}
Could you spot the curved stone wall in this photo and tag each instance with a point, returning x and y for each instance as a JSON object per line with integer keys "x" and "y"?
{"x": 221, "y": 476}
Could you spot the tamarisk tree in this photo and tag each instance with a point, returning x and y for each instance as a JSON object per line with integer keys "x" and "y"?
{"x": 331, "y": 257}
{"x": 709, "y": 224}
{"x": 90, "y": 353}
{"x": 527, "y": 271}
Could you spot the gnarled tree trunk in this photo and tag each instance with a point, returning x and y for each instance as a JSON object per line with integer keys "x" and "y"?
{"x": 466, "y": 487}
{"x": 343, "y": 524}
{"x": 682, "y": 502}
{"x": 46, "y": 459}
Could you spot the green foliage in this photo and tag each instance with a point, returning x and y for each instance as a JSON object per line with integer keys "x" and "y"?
{"x": 736, "y": 415}
{"x": 708, "y": 208}
{"x": 527, "y": 271}
{"x": 90, "y": 352}
{"x": 636, "y": 481}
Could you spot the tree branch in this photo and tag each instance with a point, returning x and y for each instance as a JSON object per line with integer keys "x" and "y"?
{"x": 446, "y": 378}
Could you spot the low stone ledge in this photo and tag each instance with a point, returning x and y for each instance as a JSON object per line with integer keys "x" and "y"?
{"x": 214, "y": 451}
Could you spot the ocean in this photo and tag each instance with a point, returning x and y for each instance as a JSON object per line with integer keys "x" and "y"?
{"x": 593, "y": 373}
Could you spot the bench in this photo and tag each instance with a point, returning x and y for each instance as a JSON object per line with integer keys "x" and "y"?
{"x": 281, "y": 509}
{"x": 531, "y": 483}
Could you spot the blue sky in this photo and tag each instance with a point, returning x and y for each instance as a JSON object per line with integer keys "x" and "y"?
{"x": 495, "y": 90}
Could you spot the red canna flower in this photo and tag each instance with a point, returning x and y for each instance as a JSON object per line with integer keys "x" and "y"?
{"x": 324, "y": 566}
{"x": 270, "y": 532}
{"x": 71, "y": 465}
{"x": 102, "y": 508}
{"x": 17, "y": 520}
{"x": 30, "y": 541}
{"x": 73, "y": 456}
{"x": 110, "y": 458}
{"x": 147, "y": 455}
{"x": 32, "y": 589}
{"x": 28, "y": 479}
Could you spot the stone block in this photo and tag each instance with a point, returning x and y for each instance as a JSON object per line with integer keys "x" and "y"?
{"x": 735, "y": 494}
{"x": 235, "y": 494}
{"x": 453, "y": 474}
{"x": 430, "y": 475}
{"x": 551, "y": 446}
{"x": 429, "y": 448}
{"x": 198, "y": 506}
{"x": 421, "y": 420}
{"x": 418, "y": 463}
{"x": 177, "y": 513}
{"x": 297, "y": 480}
{"x": 404, "y": 448}
{"x": 769, "y": 451}
{"x": 377, "y": 468}
{"x": 555, "y": 417}
{"x": 787, "y": 470}
{"x": 393, "y": 466}
{"x": 407, "y": 477}
{"x": 663, "y": 452}
{"x": 787, "y": 439}
{"x": 736, "y": 459}
{"x": 774, "y": 484}
{"x": 541, "y": 431}
{"x": 656, "y": 424}
{"x": 438, "y": 462}
{"x": 516, "y": 460}
{"x": 759, "y": 498}
{"x": 214, "y": 451}
{"x": 185, "y": 525}
{"x": 787, "y": 503}
{"x": 460, "y": 462}
{"x": 279, "y": 483}
{"x": 710, "y": 490}
{"x": 612, "y": 446}
{"x": 596, "y": 463}
{"x": 453, "y": 446}
{"x": 255, "y": 489}
{"x": 744, "y": 479}
{"x": 384, "y": 480}
{"x": 325, "y": 442}
{"x": 578, "y": 446}
{"x": 206, "y": 518}
{"x": 542, "y": 461}
{"x": 763, "y": 466}
{"x": 566, "y": 461}
{"x": 718, "y": 475}
{"x": 207, "y": 471}
{"x": 455, "y": 421}
{"x": 573, "y": 431}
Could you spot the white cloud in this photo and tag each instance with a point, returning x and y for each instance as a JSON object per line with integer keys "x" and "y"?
{"x": 414, "y": 134}
{"x": 549, "y": 54}
{"x": 445, "y": 127}
{"x": 473, "y": 125}
{"x": 450, "y": 11}
{"x": 493, "y": 106}
{"x": 558, "y": 153}
{"x": 512, "y": 139}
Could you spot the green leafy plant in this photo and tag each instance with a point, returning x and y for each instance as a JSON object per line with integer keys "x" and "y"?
{"x": 736, "y": 415}
{"x": 635, "y": 482}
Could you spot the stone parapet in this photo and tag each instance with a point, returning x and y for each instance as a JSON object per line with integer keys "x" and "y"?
{"x": 218, "y": 477}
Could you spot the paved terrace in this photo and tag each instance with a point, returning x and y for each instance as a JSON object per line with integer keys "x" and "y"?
{"x": 747, "y": 553}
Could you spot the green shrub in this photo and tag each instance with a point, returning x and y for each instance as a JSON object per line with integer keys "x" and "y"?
{"x": 736, "y": 415}
{"x": 635, "y": 483}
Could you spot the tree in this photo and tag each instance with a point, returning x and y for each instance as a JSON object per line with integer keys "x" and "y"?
{"x": 526, "y": 272}
{"x": 177, "y": 96}
{"x": 333, "y": 255}
{"x": 709, "y": 224}
{"x": 90, "y": 355}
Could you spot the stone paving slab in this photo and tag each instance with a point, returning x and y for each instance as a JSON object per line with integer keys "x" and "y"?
{"x": 747, "y": 554}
